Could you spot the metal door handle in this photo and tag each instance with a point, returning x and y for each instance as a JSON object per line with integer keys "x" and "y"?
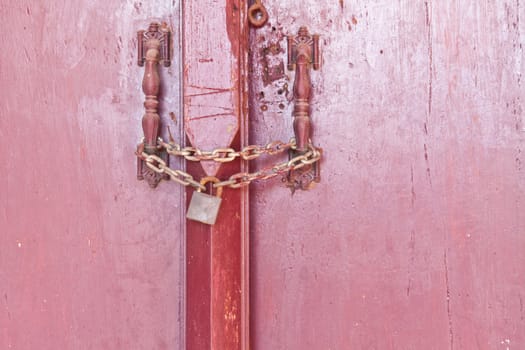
{"x": 153, "y": 48}
{"x": 303, "y": 54}
{"x": 301, "y": 171}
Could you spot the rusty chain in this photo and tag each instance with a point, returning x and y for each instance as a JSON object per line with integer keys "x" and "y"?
{"x": 244, "y": 179}
{"x": 224, "y": 155}
{"x": 159, "y": 165}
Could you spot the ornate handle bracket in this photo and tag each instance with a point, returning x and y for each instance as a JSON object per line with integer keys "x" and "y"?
{"x": 153, "y": 48}
{"x": 303, "y": 54}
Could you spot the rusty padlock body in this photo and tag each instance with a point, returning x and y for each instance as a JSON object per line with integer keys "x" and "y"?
{"x": 204, "y": 207}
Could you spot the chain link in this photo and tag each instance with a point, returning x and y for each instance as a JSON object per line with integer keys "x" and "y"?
{"x": 159, "y": 165}
{"x": 223, "y": 155}
{"x": 244, "y": 179}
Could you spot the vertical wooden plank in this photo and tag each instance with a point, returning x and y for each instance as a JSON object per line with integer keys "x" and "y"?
{"x": 214, "y": 36}
{"x": 478, "y": 137}
{"x": 89, "y": 257}
{"x": 413, "y": 238}
{"x": 354, "y": 263}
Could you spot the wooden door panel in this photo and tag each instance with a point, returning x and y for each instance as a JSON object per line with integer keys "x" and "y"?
{"x": 214, "y": 91}
{"x": 413, "y": 238}
{"x": 89, "y": 257}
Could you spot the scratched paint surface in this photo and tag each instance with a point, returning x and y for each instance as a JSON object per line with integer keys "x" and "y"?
{"x": 90, "y": 258}
{"x": 415, "y": 237}
{"x": 216, "y": 292}
{"x": 210, "y": 97}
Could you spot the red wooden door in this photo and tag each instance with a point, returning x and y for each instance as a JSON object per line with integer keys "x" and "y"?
{"x": 415, "y": 237}
{"x": 89, "y": 257}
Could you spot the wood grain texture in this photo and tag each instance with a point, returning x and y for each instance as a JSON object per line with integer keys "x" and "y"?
{"x": 415, "y": 237}
{"x": 90, "y": 258}
{"x": 215, "y": 52}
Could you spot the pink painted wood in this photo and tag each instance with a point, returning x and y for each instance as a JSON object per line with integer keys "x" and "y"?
{"x": 90, "y": 258}
{"x": 415, "y": 237}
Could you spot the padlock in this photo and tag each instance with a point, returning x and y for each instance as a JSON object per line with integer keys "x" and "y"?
{"x": 204, "y": 207}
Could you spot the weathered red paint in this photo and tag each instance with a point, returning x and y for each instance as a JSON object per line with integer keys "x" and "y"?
{"x": 211, "y": 69}
{"x": 414, "y": 239}
{"x": 90, "y": 258}
{"x": 215, "y": 116}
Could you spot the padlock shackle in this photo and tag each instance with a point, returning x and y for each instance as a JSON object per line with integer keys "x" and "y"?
{"x": 214, "y": 180}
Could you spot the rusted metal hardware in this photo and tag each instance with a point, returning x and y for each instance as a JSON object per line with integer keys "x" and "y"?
{"x": 225, "y": 155}
{"x": 153, "y": 48}
{"x": 159, "y": 166}
{"x": 303, "y": 54}
{"x": 257, "y": 14}
{"x": 302, "y": 167}
{"x": 157, "y": 37}
{"x": 305, "y": 177}
{"x": 305, "y": 160}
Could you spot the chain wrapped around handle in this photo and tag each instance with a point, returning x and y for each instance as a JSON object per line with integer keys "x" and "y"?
{"x": 153, "y": 153}
{"x": 153, "y": 48}
{"x": 224, "y": 155}
{"x": 159, "y": 166}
